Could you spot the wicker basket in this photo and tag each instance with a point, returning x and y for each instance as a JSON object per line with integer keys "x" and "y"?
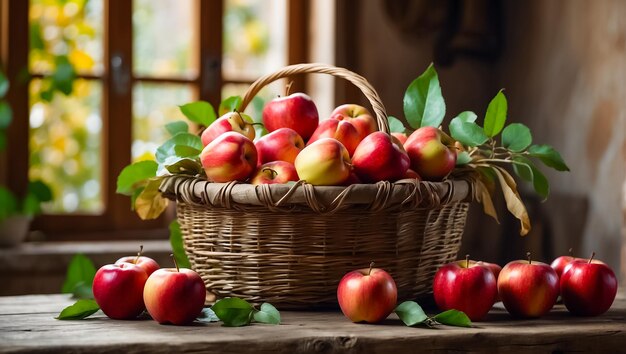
{"x": 290, "y": 245}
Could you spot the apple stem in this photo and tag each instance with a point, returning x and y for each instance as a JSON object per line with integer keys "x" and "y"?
{"x": 370, "y": 270}
{"x": 571, "y": 251}
{"x": 467, "y": 261}
{"x": 274, "y": 173}
{"x": 528, "y": 255}
{"x": 139, "y": 254}
{"x": 175, "y": 263}
{"x": 288, "y": 88}
{"x": 593, "y": 254}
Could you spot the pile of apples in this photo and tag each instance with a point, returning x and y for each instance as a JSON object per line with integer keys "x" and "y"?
{"x": 341, "y": 150}
{"x": 132, "y": 284}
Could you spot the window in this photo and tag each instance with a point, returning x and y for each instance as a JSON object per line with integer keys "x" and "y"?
{"x": 132, "y": 63}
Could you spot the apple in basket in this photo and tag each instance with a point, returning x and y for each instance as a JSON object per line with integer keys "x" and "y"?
{"x": 296, "y": 111}
{"x": 231, "y": 156}
{"x": 380, "y": 157}
{"x": 229, "y": 122}
{"x": 326, "y": 162}
{"x": 432, "y": 153}
{"x": 283, "y": 144}
{"x": 274, "y": 172}
{"x": 341, "y": 130}
{"x": 148, "y": 264}
{"x": 367, "y": 295}
{"x": 358, "y": 116}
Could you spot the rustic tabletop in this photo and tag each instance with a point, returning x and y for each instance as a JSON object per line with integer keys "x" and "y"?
{"x": 27, "y": 325}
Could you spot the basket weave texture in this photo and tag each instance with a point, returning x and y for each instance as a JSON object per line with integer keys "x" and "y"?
{"x": 291, "y": 244}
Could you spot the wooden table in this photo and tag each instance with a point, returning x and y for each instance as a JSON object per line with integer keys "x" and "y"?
{"x": 27, "y": 325}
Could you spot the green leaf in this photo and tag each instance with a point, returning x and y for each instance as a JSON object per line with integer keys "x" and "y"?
{"x": 410, "y": 313}
{"x": 463, "y": 158}
{"x": 176, "y": 127}
{"x": 82, "y": 291}
{"x": 169, "y": 148}
{"x": 80, "y": 309}
{"x": 523, "y": 171}
{"x": 80, "y": 270}
{"x": 549, "y": 156}
{"x": 4, "y": 84}
{"x": 8, "y": 203}
{"x": 516, "y": 137}
{"x": 468, "y": 133}
{"x": 150, "y": 204}
{"x": 496, "y": 115}
{"x": 40, "y": 190}
{"x": 230, "y": 104}
{"x": 527, "y": 171}
{"x": 64, "y": 75}
{"x": 423, "y": 102}
{"x": 233, "y": 312}
{"x": 31, "y": 205}
{"x": 186, "y": 151}
{"x": 133, "y": 198}
{"x": 453, "y": 318}
{"x": 395, "y": 125}
{"x": 200, "y": 112}
{"x": 207, "y": 316}
{"x": 267, "y": 314}
{"x": 185, "y": 166}
{"x": 467, "y": 116}
{"x": 134, "y": 174}
{"x": 178, "y": 249}
{"x": 6, "y": 114}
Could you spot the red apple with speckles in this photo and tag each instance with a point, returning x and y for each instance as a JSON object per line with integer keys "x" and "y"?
{"x": 367, "y": 295}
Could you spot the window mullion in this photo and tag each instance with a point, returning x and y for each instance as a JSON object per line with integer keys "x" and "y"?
{"x": 211, "y": 28}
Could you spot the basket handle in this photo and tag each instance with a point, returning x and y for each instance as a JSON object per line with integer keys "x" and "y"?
{"x": 357, "y": 80}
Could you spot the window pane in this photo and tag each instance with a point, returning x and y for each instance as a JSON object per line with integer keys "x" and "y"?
{"x": 65, "y": 146}
{"x": 165, "y": 38}
{"x": 71, "y": 29}
{"x": 255, "y": 36}
{"x": 155, "y": 105}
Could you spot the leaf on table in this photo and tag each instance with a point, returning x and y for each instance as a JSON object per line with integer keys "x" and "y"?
{"x": 453, "y": 318}
{"x": 513, "y": 201}
{"x": 267, "y": 314}
{"x": 80, "y": 270}
{"x": 134, "y": 175}
{"x": 176, "y": 127}
{"x": 468, "y": 133}
{"x": 395, "y": 125}
{"x": 516, "y": 137}
{"x": 178, "y": 249}
{"x": 233, "y": 311}
{"x": 411, "y": 313}
{"x": 200, "y": 112}
{"x": 150, "y": 203}
{"x": 423, "y": 102}
{"x": 80, "y": 309}
{"x": 207, "y": 316}
{"x": 496, "y": 115}
{"x": 549, "y": 156}
{"x": 170, "y": 147}
{"x": 230, "y": 104}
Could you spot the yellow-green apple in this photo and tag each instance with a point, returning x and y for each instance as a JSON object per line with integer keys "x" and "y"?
{"x": 296, "y": 111}
{"x": 174, "y": 295}
{"x": 588, "y": 287}
{"x": 229, "y": 122}
{"x": 466, "y": 286}
{"x": 359, "y": 116}
{"x": 230, "y": 157}
{"x": 148, "y": 264}
{"x": 367, "y": 295}
{"x": 283, "y": 144}
{"x": 380, "y": 157}
{"x": 274, "y": 172}
{"x": 118, "y": 290}
{"x": 341, "y": 130}
{"x": 432, "y": 153}
{"x": 528, "y": 289}
{"x": 401, "y": 137}
{"x": 326, "y": 162}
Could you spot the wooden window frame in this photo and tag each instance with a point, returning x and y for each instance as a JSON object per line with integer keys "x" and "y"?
{"x": 118, "y": 221}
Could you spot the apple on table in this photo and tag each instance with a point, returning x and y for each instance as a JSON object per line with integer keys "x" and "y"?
{"x": 148, "y": 264}
{"x": 118, "y": 290}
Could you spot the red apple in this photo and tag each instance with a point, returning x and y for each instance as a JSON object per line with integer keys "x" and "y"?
{"x": 352, "y": 179}
{"x": 411, "y": 175}
{"x": 283, "y": 144}
{"x": 561, "y": 262}
{"x": 174, "y": 295}
{"x": 466, "y": 286}
{"x": 527, "y": 288}
{"x": 341, "y": 130}
{"x": 118, "y": 290}
{"x": 296, "y": 111}
{"x": 432, "y": 153}
{"x": 148, "y": 264}
{"x": 229, "y": 122}
{"x": 588, "y": 287}
{"x": 231, "y": 156}
{"x": 380, "y": 157}
{"x": 401, "y": 137}
{"x": 274, "y": 172}
{"x": 495, "y": 269}
{"x": 326, "y": 162}
{"x": 358, "y": 116}
{"x": 367, "y": 295}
